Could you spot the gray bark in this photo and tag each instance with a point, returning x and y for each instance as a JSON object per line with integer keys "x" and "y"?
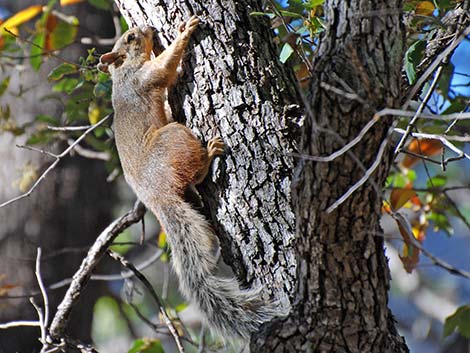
{"x": 229, "y": 89}
{"x": 333, "y": 272}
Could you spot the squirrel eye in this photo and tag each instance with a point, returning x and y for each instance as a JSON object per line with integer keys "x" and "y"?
{"x": 130, "y": 37}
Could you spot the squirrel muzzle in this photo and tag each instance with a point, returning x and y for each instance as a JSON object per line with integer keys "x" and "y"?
{"x": 111, "y": 58}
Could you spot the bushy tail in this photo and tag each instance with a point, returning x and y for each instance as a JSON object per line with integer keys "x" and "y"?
{"x": 228, "y": 309}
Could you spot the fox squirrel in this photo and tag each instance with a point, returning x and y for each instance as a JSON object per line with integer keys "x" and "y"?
{"x": 160, "y": 161}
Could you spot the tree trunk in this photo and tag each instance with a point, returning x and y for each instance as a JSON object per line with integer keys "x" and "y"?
{"x": 233, "y": 88}
{"x": 333, "y": 272}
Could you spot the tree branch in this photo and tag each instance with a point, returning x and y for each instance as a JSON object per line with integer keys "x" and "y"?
{"x": 82, "y": 276}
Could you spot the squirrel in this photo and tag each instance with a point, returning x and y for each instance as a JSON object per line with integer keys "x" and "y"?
{"x": 161, "y": 160}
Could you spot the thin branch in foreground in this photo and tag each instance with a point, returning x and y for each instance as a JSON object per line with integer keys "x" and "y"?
{"x": 443, "y": 139}
{"x": 413, "y": 121}
{"x": 153, "y": 294}
{"x": 384, "y": 112}
{"x": 400, "y": 219}
{"x": 361, "y": 181}
{"x": 11, "y": 324}
{"x": 422, "y": 79}
{"x": 45, "y": 319}
{"x": 81, "y": 277}
{"x": 58, "y": 158}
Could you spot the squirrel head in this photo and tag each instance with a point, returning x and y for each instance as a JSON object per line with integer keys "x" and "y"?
{"x": 134, "y": 48}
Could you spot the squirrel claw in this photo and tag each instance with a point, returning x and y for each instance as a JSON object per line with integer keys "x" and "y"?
{"x": 215, "y": 147}
{"x": 188, "y": 27}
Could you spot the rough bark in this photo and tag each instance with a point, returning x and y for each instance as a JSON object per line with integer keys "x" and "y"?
{"x": 334, "y": 272}
{"x": 232, "y": 87}
{"x": 343, "y": 283}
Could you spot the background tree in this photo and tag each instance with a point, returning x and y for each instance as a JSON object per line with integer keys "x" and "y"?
{"x": 321, "y": 252}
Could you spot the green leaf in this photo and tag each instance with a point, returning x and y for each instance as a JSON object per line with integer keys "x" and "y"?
{"x": 286, "y": 52}
{"x": 123, "y": 24}
{"x": 460, "y": 321}
{"x": 107, "y": 320}
{"x": 4, "y": 85}
{"x": 146, "y": 345}
{"x": 290, "y": 14}
{"x": 413, "y": 57}
{"x": 37, "y": 51}
{"x": 311, "y": 4}
{"x": 436, "y": 181}
{"x": 64, "y": 32}
{"x": 124, "y": 237}
{"x": 66, "y": 85}
{"x": 102, "y": 89}
{"x": 62, "y": 70}
{"x": 40, "y": 137}
{"x": 46, "y": 119}
{"x": 440, "y": 222}
{"x": 181, "y": 307}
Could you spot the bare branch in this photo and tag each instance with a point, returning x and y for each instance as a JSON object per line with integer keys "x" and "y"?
{"x": 413, "y": 121}
{"x": 439, "y": 59}
{"x": 84, "y": 152}
{"x": 153, "y": 294}
{"x": 361, "y": 181}
{"x": 58, "y": 158}
{"x": 94, "y": 255}
{"x": 68, "y": 128}
{"x": 19, "y": 323}
{"x": 441, "y": 138}
{"x": 400, "y": 219}
{"x": 372, "y": 122}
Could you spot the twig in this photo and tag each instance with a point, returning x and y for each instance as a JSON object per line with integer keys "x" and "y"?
{"x": 45, "y": 298}
{"x": 41, "y": 321}
{"x": 441, "y": 138}
{"x": 372, "y": 122}
{"x": 361, "y": 181}
{"x": 94, "y": 255}
{"x": 153, "y": 294}
{"x": 422, "y": 79}
{"x": 84, "y": 152}
{"x": 400, "y": 219}
{"x": 68, "y": 128}
{"x": 54, "y": 164}
{"x": 45, "y": 52}
{"x": 413, "y": 121}
{"x": 19, "y": 323}
{"x": 96, "y": 277}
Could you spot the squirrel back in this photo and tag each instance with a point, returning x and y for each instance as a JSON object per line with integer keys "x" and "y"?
{"x": 161, "y": 160}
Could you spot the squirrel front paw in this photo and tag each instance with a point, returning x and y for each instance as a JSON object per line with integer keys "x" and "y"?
{"x": 215, "y": 147}
{"x": 187, "y": 28}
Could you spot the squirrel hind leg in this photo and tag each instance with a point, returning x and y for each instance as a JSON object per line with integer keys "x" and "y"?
{"x": 215, "y": 147}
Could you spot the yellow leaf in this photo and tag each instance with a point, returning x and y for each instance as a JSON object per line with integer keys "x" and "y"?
{"x": 94, "y": 113}
{"x": 29, "y": 176}
{"x": 69, "y": 2}
{"x": 425, "y": 8}
{"x": 21, "y": 17}
{"x": 162, "y": 240}
{"x": 399, "y": 197}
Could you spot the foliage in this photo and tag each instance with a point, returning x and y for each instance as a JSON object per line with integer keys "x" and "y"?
{"x": 41, "y": 32}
